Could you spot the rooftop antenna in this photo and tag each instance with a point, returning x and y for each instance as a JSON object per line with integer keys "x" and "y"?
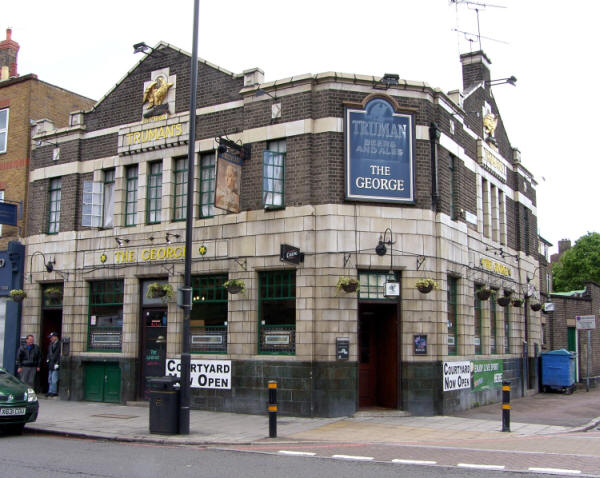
{"x": 475, "y": 6}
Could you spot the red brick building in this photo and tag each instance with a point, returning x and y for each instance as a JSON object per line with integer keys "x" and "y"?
{"x": 25, "y": 103}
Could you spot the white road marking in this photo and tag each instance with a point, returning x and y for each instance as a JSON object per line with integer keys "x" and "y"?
{"x": 353, "y": 457}
{"x": 555, "y": 471}
{"x": 414, "y": 462}
{"x": 297, "y": 453}
{"x": 481, "y": 467}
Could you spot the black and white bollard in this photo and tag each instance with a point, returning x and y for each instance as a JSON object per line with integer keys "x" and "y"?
{"x": 505, "y": 405}
{"x": 272, "y": 407}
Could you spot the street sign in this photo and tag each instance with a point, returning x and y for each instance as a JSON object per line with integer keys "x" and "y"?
{"x": 8, "y": 214}
{"x": 585, "y": 322}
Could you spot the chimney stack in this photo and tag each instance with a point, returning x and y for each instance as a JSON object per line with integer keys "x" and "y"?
{"x": 475, "y": 68}
{"x": 8, "y": 57}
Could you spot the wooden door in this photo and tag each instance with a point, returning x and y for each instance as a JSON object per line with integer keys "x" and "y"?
{"x": 378, "y": 356}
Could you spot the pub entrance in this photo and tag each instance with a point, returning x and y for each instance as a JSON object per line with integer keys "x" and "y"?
{"x": 378, "y": 376}
{"x": 153, "y": 340}
{"x": 51, "y": 321}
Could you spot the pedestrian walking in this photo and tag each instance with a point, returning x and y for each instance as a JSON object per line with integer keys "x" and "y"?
{"x": 53, "y": 360}
{"x": 29, "y": 360}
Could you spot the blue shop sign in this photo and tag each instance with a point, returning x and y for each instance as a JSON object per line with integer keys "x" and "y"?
{"x": 379, "y": 153}
{"x": 8, "y": 213}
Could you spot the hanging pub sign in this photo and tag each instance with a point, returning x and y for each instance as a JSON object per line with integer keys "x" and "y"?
{"x": 229, "y": 174}
{"x": 379, "y": 152}
{"x": 291, "y": 254}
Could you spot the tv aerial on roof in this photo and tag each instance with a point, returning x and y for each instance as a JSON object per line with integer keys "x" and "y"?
{"x": 476, "y": 6}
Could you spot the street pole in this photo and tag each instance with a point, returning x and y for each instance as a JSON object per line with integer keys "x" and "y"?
{"x": 587, "y": 381}
{"x": 184, "y": 406}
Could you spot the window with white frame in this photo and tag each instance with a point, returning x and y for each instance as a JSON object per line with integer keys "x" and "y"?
{"x": 92, "y": 204}
{"x": 54, "y": 196}
{"x": 109, "y": 198}
{"x": 273, "y": 174}
{"x": 3, "y": 129}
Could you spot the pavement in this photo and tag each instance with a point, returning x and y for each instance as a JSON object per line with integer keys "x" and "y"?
{"x": 534, "y": 416}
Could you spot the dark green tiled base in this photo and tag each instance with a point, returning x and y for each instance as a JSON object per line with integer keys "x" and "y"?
{"x": 325, "y": 389}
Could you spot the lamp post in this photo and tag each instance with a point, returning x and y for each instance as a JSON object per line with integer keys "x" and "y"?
{"x": 184, "y": 410}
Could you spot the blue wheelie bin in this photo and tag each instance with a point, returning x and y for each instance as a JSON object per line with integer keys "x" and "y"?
{"x": 558, "y": 371}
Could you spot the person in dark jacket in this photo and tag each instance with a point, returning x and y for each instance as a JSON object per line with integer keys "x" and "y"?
{"x": 29, "y": 360}
{"x": 53, "y": 359}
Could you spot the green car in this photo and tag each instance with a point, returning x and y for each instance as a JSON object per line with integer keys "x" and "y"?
{"x": 18, "y": 403}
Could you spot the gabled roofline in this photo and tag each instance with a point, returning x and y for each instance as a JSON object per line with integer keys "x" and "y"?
{"x": 162, "y": 45}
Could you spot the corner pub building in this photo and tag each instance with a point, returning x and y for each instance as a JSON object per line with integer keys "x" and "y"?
{"x": 299, "y": 183}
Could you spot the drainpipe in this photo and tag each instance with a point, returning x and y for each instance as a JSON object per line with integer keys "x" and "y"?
{"x": 434, "y": 139}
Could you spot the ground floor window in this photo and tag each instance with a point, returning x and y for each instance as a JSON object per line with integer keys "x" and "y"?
{"x": 507, "y": 329}
{"x": 208, "y": 319}
{"x": 372, "y": 284}
{"x": 105, "y": 316}
{"x": 477, "y": 330}
{"x": 452, "y": 315}
{"x": 277, "y": 312}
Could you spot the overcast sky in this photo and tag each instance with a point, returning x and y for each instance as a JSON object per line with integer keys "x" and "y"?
{"x": 549, "y": 45}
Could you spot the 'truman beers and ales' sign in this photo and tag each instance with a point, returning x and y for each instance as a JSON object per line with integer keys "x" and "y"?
{"x": 456, "y": 375}
{"x": 379, "y": 153}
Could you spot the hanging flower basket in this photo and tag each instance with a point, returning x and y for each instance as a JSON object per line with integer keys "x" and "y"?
{"x": 235, "y": 286}
{"x": 425, "y": 286}
{"x": 517, "y": 302}
{"x": 503, "y": 301}
{"x": 160, "y": 291}
{"x": 53, "y": 293}
{"x": 17, "y": 295}
{"x": 484, "y": 293}
{"x": 536, "y": 306}
{"x": 348, "y": 284}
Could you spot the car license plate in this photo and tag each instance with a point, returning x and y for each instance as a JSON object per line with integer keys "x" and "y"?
{"x": 12, "y": 411}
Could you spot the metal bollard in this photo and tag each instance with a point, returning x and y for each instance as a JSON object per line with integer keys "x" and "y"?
{"x": 505, "y": 405}
{"x": 272, "y": 407}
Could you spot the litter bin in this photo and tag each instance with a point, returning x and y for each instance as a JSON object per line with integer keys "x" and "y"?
{"x": 558, "y": 371}
{"x": 164, "y": 405}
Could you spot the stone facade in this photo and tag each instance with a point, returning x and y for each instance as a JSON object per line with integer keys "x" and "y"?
{"x": 472, "y": 222}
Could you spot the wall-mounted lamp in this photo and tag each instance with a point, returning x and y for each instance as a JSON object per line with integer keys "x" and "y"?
{"x": 169, "y": 235}
{"x": 40, "y": 142}
{"x": 120, "y": 241}
{"x": 141, "y": 47}
{"x": 388, "y": 80}
{"x": 261, "y": 92}
{"x": 48, "y": 264}
{"x": 380, "y": 250}
{"x": 511, "y": 80}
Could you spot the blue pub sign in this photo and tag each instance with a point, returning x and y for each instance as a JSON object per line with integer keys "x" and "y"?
{"x": 379, "y": 153}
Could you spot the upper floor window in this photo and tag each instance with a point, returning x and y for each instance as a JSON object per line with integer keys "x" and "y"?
{"x": 180, "y": 177}
{"x": 98, "y": 201}
{"x": 154, "y": 193}
{"x": 453, "y": 182}
{"x": 109, "y": 198}
{"x": 3, "y": 129}
{"x": 273, "y": 174}
{"x": 207, "y": 185}
{"x": 131, "y": 186}
{"x": 54, "y": 206}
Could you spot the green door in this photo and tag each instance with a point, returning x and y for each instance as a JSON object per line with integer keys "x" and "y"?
{"x": 93, "y": 382}
{"x": 572, "y": 339}
{"x": 102, "y": 382}
{"x": 112, "y": 383}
